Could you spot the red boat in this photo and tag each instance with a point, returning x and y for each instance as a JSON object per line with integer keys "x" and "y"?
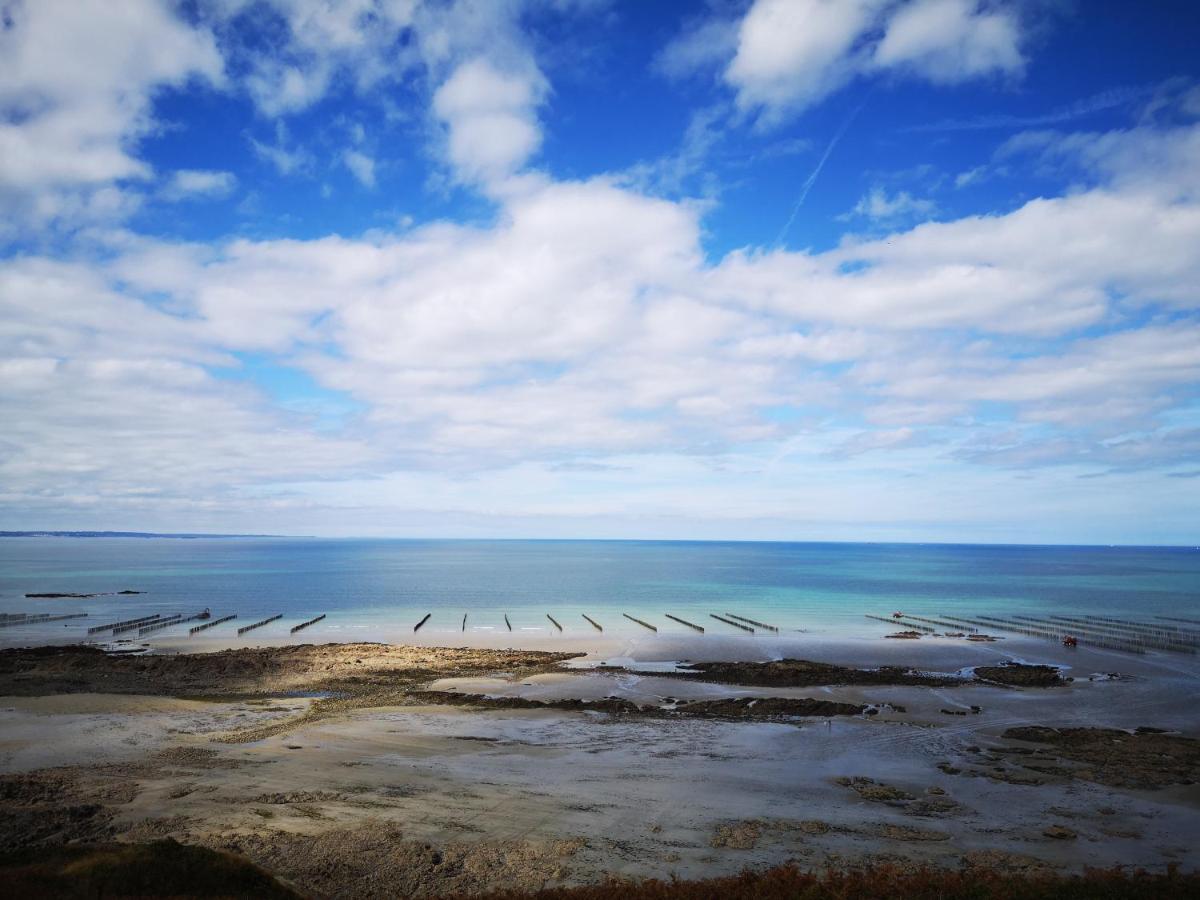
{"x": 1070, "y": 641}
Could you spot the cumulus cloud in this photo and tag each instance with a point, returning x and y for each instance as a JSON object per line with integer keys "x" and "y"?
{"x": 76, "y": 82}
{"x": 951, "y": 40}
{"x": 579, "y": 351}
{"x": 588, "y": 321}
{"x": 190, "y": 183}
{"x": 783, "y": 56}
{"x": 490, "y": 117}
{"x": 791, "y": 53}
{"x": 315, "y": 43}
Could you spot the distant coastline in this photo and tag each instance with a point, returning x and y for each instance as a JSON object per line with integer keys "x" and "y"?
{"x": 133, "y": 534}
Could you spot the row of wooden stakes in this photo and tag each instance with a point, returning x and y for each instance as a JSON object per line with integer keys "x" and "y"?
{"x": 742, "y": 623}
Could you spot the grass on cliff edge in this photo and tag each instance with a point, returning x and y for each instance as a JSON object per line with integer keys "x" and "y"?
{"x": 169, "y": 869}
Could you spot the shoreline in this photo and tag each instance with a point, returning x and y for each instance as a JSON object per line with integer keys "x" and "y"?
{"x": 529, "y": 768}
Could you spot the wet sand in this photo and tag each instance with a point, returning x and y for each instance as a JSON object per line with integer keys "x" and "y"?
{"x": 361, "y": 770}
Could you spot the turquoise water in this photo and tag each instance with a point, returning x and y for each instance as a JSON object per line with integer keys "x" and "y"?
{"x": 387, "y": 584}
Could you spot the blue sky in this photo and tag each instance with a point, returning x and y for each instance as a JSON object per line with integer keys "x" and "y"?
{"x": 768, "y": 269}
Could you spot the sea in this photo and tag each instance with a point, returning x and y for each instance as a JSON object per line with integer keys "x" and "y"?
{"x": 368, "y": 588}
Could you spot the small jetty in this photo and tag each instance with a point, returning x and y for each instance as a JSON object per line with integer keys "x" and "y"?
{"x": 1109, "y": 631}
{"x": 304, "y": 625}
{"x": 554, "y": 620}
{"x": 1154, "y": 639}
{"x": 691, "y": 625}
{"x": 213, "y": 624}
{"x": 951, "y": 625}
{"x": 161, "y": 620}
{"x": 1177, "y": 619}
{"x": 762, "y": 625}
{"x": 95, "y": 629}
{"x": 506, "y": 622}
{"x": 893, "y": 620}
{"x": 246, "y": 628}
{"x": 177, "y": 620}
{"x": 731, "y": 622}
{"x": 464, "y": 625}
{"x": 1048, "y": 631}
{"x": 595, "y": 624}
{"x": 417, "y": 627}
{"x": 14, "y": 619}
{"x": 640, "y": 622}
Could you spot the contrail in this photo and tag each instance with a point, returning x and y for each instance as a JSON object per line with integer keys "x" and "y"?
{"x": 812, "y": 179}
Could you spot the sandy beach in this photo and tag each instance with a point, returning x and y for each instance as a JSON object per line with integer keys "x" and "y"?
{"x": 360, "y": 770}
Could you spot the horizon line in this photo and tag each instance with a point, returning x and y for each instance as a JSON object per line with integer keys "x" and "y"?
{"x": 193, "y": 535}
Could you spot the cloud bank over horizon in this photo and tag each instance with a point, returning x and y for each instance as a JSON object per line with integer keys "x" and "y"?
{"x": 581, "y": 268}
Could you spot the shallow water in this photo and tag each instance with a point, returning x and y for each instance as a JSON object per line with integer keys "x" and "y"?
{"x": 372, "y": 589}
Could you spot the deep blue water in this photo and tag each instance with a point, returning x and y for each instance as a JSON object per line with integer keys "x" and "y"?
{"x": 362, "y": 584}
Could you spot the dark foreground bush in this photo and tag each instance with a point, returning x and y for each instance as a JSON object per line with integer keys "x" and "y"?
{"x": 161, "y": 869}
{"x": 791, "y": 883}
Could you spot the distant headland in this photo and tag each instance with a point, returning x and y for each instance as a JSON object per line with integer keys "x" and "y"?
{"x": 131, "y": 534}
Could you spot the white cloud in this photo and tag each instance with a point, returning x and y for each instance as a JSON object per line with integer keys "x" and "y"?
{"x": 187, "y": 183}
{"x": 491, "y": 119}
{"x": 582, "y": 341}
{"x": 783, "y": 56}
{"x": 951, "y": 40}
{"x": 318, "y": 42}
{"x": 282, "y": 153}
{"x": 361, "y": 167}
{"x": 586, "y": 321}
{"x": 878, "y": 206}
{"x": 703, "y": 43}
{"x": 791, "y": 53}
{"x": 76, "y": 82}
{"x": 473, "y": 57}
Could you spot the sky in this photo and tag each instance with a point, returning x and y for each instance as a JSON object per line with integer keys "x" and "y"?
{"x": 911, "y": 270}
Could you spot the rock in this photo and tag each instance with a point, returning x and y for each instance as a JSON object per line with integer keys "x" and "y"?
{"x": 1060, "y": 833}
{"x": 814, "y": 826}
{"x": 737, "y": 835}
{"x": 909, "y": 833}
{"x": 805, "y": 673}
{"x": 1020, "y": 675}
{"x": 870, "y": 789}
{"x": 1114, "y": 757}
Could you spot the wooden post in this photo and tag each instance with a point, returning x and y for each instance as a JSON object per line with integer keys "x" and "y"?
{"x": 554, "y": 620}
{"x": 733, "y": 623}
{"x": 417, "y": 627}
{"x": 246, "y": 628}
{"x": 640, "y": 622}
{"x": 211, "y": 624}
{"x": 752, "y": 622}
{"x": 684, "y": 622}
{"x": 595, "y": 624}
{"x": 304, "y": 625}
